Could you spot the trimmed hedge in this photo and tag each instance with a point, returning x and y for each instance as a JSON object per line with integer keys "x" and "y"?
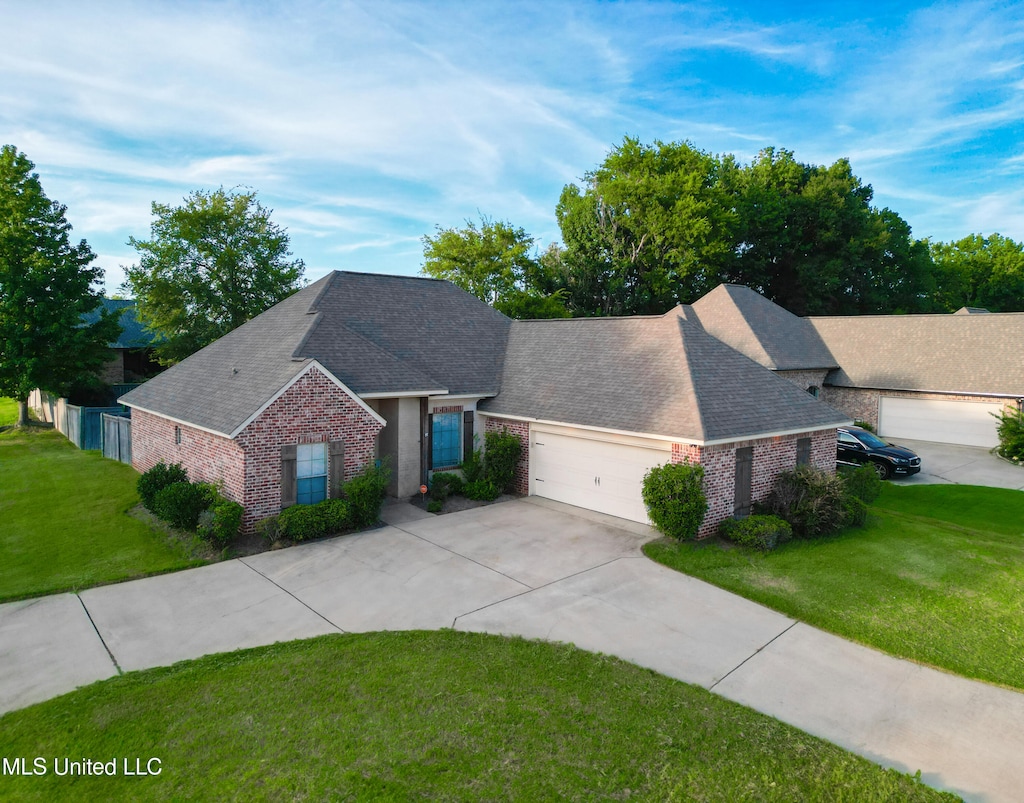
{"x": 501, "y": 453}
{"x": 305, "y": 522}
{"x": 180, "y": 503}
{"x": 674, "y": 495}
{"x": 444, "y": 484}
{"x": 156, "y": 479}
{"x": 763, "y": 532}
{"x": 365, "y": 494}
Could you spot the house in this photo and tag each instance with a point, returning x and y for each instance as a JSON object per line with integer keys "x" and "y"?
{"x": 357, "y": 367}
{"x": 132, "y": 353}
{"x": 923, "y": 377}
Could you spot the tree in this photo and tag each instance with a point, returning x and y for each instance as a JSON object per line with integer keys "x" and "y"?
{"x": 494, "y": 261}
{"x": 209, "y": 266}
{"x": 653, "y": 226}
{"x": 810, "y": 240}
{"x": 46, "y": 285}
{"x": 980, "y": 271}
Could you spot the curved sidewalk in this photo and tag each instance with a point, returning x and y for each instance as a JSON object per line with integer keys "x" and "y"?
{"x": 540, "y": 570}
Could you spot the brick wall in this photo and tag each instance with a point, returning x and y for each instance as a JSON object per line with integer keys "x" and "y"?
{"x": 771, "y": 456}
{"x": 313, "y": 410}
{"x": 205, "y": 456}
{"x": 521, "y": 429}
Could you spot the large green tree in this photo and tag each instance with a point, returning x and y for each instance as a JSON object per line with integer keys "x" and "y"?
{"x": 652, "y": 226}
{"x": 494, "y": 261}
{"x": 809, "y": 239}
{"x": 208, "y": 266}
{"x": 46, "y": 285}
{"x": 980, "y": 271}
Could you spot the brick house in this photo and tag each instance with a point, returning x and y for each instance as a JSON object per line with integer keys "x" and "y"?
{"x": 358, "y": 367}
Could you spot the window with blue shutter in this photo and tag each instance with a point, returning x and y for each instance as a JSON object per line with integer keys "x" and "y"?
{"x": 311, "y": 473}
{"x": 446, "y": 445}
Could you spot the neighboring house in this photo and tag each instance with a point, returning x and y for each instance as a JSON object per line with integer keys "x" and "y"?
{"x": 925, "y": 377}
{"x": 132, "y": 353}
{"x": 358, "y": 366}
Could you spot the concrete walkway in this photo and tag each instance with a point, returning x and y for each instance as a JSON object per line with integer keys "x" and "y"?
{"x": 541, "y": 570}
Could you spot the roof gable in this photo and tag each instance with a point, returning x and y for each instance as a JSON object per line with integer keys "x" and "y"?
{"x": 762, "y": 330}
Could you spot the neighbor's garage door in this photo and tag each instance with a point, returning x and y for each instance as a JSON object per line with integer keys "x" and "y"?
{"x": 962, "y": 422}
{"x": 593, "y": 474}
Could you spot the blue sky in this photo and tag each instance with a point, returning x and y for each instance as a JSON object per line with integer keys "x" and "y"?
{"x": 366, "y": 125}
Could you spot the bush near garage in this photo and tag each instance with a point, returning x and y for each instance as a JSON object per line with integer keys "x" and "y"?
{"x": 674, "y": 495}
{"x": 759, "y": 531}
{"x": 501, "y": 453}
{"x": 1011, "y": 435}
{"x": 862, "y": 482}
{"x": 481, "y": 490}
{"x": 813, "y": 501}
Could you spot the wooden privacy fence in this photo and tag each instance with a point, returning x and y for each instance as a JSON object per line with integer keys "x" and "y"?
{"x": 117, "y": 437}
{"x": 83, "y": 426}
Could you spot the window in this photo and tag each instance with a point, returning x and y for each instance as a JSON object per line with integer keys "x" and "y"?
{"x": 311, "y": 473}
{"x": 177, "y": 434}
{"x": 813, "y": 390}
{"x": 803, "y": 451}
{"x": 446, "y": 448}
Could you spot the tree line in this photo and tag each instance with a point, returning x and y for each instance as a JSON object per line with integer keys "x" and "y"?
{"x": 652, "y": 226}
{"x": 661, "y": 224}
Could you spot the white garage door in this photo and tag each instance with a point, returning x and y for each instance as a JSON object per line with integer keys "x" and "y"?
{"x": 593, "y": 474}
{"x": 961, "y": 422}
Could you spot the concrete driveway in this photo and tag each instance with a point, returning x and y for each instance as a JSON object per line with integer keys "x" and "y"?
{"x": 963, "y": 465}
{"x": 540, "y": 570}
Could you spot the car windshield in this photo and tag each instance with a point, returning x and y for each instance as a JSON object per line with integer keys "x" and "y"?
{"x": 870, "y": 440}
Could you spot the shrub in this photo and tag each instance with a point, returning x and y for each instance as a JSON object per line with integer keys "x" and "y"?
{"x": 473, "y": 467}
{"x": 674, "y": 495}
{"x": 269, "y": 528}
{"x": 180, "y": 503}
{"x": 435, "y": 506}
{"x": 443, "y": 484}
{"x": 1011, "y": 435}
{"x": 863, "y": 482}
{"x": 864, "y": 425}
{"x": 337, "y": 515}
{"x": 365, "y": 494}
{"x": 811, "y": 500}
{"x": 220, "y": 522}
{"x": 156, "y": 479}
{"x": 501, "y": 453}
{"x": 303, "y": 522}
{"x": 757, "y": 532}
{"x": 483, "y": 490}
{"x": 856, "y": 511}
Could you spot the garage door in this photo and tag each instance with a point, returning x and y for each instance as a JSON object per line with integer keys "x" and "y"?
{"x": 960, "y": 422}
{"x": 593, "y": 474}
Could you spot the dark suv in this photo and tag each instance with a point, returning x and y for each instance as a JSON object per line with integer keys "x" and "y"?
{"x": 858, "y": 446}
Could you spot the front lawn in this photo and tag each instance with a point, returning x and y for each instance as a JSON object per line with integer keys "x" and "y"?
{"x": 8, "y": 411}
{"x": 431, "y": 716}
{"x": 936, "y": 575}
{"x": 63, "y": 519}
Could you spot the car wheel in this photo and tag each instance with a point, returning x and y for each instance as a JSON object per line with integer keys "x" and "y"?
{"x": 882, "y": 470}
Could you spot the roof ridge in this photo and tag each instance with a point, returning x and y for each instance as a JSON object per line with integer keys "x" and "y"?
{"x": 687, "y": 365}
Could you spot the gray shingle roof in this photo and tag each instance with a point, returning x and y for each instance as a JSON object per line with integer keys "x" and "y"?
{"x": 377, "y": 334}
{"x": 761, "y": 329}
{"x": 133, "y": 335}
{"x": 660, "y": 375}
{"x": 950, "y": 353}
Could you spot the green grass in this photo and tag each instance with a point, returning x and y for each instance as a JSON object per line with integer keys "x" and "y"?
{"x": 63, "y": 520}
{"x": 8, "y": 411}
{"x": 433, "y": 716}
{"x": 937, "y": 576}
